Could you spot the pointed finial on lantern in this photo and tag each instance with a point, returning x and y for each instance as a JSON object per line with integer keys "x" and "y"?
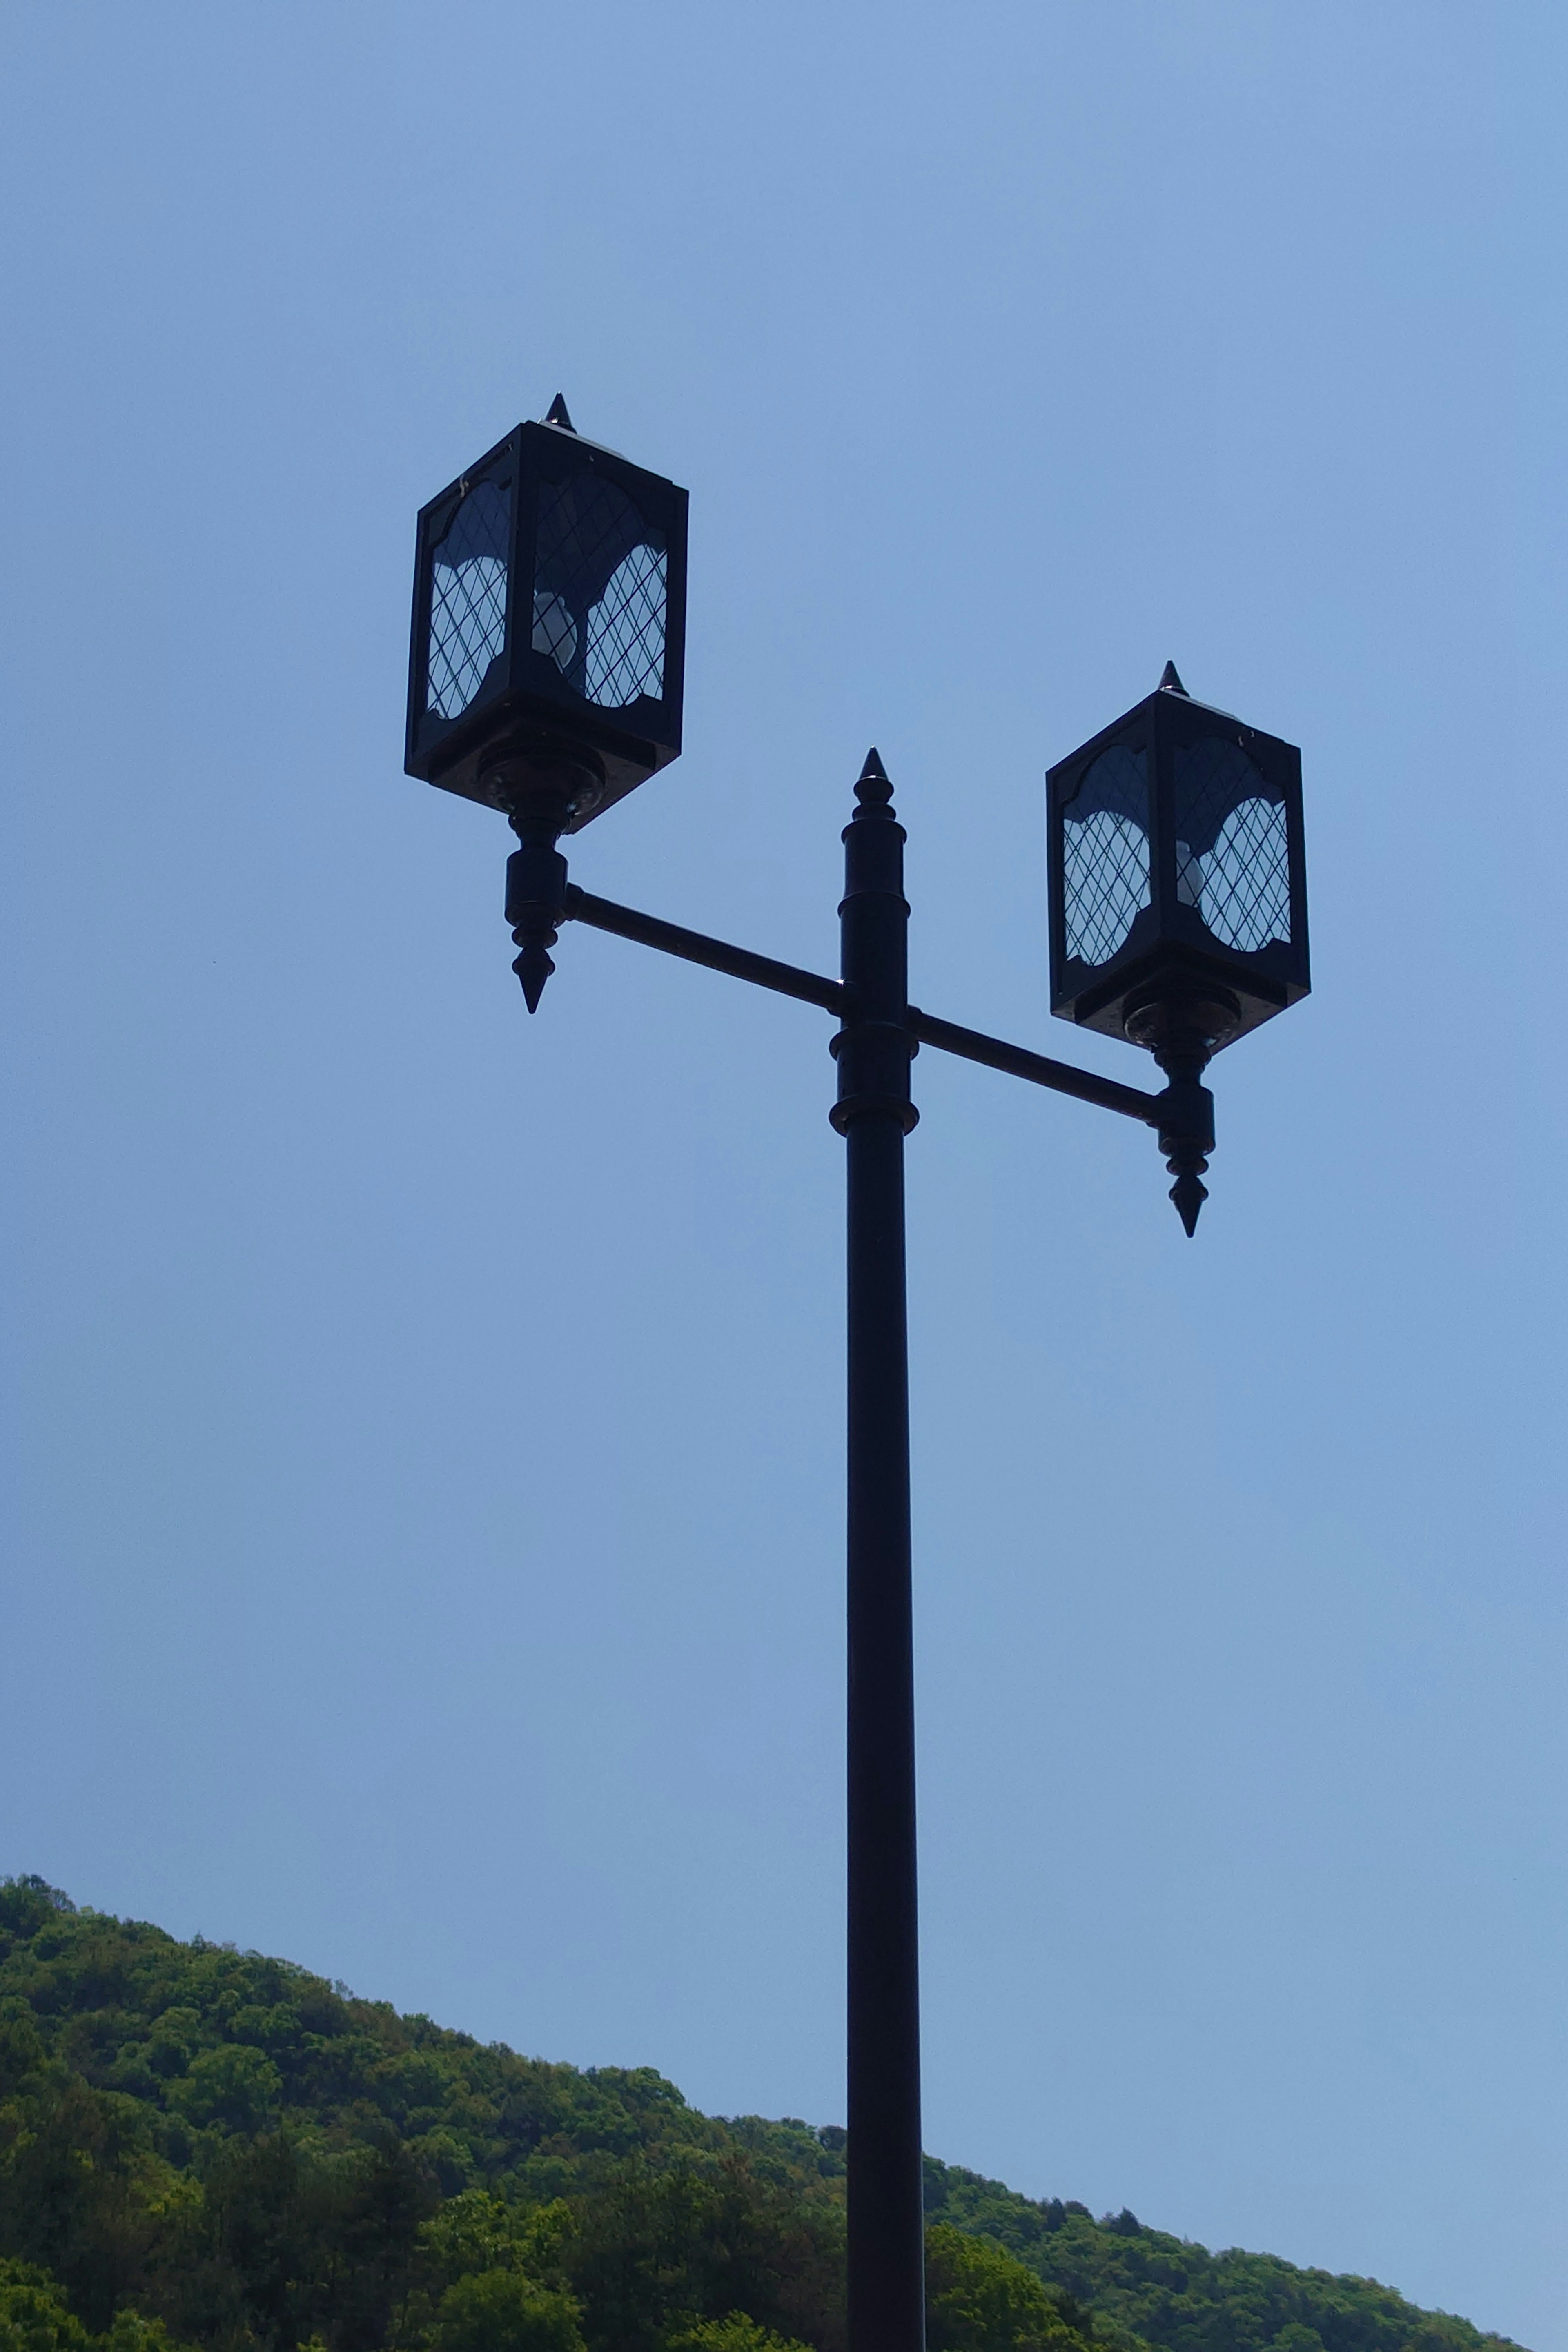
{"x": 536, "y": 886}
{"x": 557, "y": 414}
{"x": 1170, "y": 683}
{"x": 1179, "y": 1032}
{"x": 1189, "y": 1196}
{"x": 533, "y": 967}
{"x": 872, "y": 788}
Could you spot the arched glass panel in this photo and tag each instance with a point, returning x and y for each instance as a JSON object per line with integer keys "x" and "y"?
{"x": 1105, "y": 854}
{"x": 626, "y": 632}
{"x": 1233, "y": 859}
{"x": 467, "y": 599}
{"x": 600, "y": 593}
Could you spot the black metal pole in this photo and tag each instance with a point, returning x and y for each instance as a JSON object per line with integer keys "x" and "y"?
{"x": 874, "y": 1114}
{"x": 880, "y": 1033}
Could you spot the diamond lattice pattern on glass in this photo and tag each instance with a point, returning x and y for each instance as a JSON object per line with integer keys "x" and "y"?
{"x": 1233, "y": 858}
{"x": 467, "y": 598}
{"x": 1105, "y": 854}
{"x": 599, "y": 592}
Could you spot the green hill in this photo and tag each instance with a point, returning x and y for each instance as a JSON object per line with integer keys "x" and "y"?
{"x": 201, "y": 2146}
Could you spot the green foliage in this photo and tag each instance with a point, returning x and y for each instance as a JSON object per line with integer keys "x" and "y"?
{"x": 133, "y": 2332}
{"x": 35, "y": 2317}
{"x": 34, "y": 2314}
{"x": 734, "y": 2332}
{"x": 479, "y": 2231}
{"x": 979, "y": 2299}
{"x": 205, "y": 2148}
{"x": 236, "y": 2087}
{"x": 503, "y": 2311}
{"x": 1142, "y": 2285}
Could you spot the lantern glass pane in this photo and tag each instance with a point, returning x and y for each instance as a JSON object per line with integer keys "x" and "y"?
{"x": 1233, "y": 858}
{"x": 599, "y": 592}
{"x": 467, "y": 598}
{"x": 1105, "y": 854}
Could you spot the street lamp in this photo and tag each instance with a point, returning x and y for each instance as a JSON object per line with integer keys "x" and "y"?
{"x": 1177, "y": 887}
{"x": 548, "y": 643}
{"x": 545, "y": 681}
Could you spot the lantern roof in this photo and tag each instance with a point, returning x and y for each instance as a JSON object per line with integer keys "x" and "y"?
{"x": 559, "y": 418}
{"x": 1170, "y": 683}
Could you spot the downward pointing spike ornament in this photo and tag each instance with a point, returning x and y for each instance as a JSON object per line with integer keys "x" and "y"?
{"x": 536, "y": 891}
{"x": 533, "y": 967}
{"x": 1189, "y": 1193}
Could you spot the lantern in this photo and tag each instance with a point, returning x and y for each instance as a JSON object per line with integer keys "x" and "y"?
{"x": 549, "y": 624}
{"x": 1177, "y": 876}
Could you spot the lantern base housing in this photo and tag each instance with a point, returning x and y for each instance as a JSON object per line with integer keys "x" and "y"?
{"x": 523, "y": 746}
{"x": 1170, "y": 991}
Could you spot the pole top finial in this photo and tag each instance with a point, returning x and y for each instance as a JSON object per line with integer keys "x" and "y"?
{"x": 871, "y": 786}
{"x": 557, "y": 414}
{"x": 1170, "y": 682}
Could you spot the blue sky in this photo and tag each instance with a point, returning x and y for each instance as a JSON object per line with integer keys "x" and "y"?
{"x": 424, "y": 1424}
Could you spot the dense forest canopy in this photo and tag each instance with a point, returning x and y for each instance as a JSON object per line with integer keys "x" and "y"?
{"x": 204, "y": 2148}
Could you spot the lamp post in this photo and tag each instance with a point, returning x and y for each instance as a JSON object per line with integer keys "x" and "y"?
{"x": 545, "y": 681}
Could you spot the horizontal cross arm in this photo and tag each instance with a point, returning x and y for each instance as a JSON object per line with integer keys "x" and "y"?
{"x": 696, "y": 947}
{"x": 813, "y": 988}
{"x": 1063, "y": 1077}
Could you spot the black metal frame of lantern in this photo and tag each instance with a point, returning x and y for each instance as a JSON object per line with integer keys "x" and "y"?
{"x": 545, "y": 681}
{"x": 1178, "y": 889}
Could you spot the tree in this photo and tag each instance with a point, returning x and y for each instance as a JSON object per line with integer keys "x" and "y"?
{"x": 734, "y": 2334}
{"x": 979, "y": 2299}
{"x": 34, "y": 2315}
{"x": 503, "y": 2311}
